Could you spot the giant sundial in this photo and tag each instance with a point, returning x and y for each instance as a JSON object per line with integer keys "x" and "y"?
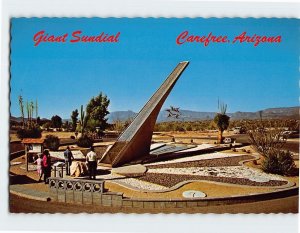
{"x": 135, "y": 141}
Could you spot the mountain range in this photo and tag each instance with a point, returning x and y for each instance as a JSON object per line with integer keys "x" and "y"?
{"x": 188, "y": 115}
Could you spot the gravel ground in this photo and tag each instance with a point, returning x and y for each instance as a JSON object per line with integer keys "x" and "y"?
{"x": 225, "y": 170}
{"x": 220, "y": 162}
{"x": 134, "y": 182}
{"x": 170, "y": 180}
{"x": 215, "y": 155}
{"x": 231, "y": 172}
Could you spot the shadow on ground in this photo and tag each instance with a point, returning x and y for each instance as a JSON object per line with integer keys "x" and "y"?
{"x": 20, "y": 179}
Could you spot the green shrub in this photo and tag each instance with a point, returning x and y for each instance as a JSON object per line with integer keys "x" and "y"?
{"x": 85, "y": 141}
{"x": 52, "y": 142}
{"x": 34, "y": 132}
{"x": 189, "y": 127}
{"x": 179, "y": 128}
{"x": 279, "y": 162}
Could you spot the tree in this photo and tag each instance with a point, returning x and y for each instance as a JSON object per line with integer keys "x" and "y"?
{"x": 56, "y": 121}
{"x": 38, "y": 121}
{"x": 268, "y": 140}
{"x": 47, "y": 125}
{"x": 33, "y": 132}
{"x": 52, "y": 142}
{"x": 66, "y": 125}
{"x": 74, "y": 118}
{"x": 118, "y": 125}
{"x": 265, "y": 136}
{"x": 97, "y": 110}
{"x": 221, "y": 121}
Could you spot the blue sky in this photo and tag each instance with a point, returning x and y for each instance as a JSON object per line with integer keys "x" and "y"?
{"x": 62, "y": 76}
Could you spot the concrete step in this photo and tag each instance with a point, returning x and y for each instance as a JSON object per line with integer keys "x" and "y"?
{"x": 22, "y": 191}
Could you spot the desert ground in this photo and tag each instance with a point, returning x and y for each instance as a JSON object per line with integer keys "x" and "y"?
{"x": 212, "y": 189}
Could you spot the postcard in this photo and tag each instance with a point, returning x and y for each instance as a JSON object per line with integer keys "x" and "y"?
{"x": 154, "y": 115}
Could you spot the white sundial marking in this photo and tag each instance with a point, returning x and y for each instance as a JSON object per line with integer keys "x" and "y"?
{"x": 227, "y": 172}
{"x": 215, "y": 155}
{"x": 136, "y": 183}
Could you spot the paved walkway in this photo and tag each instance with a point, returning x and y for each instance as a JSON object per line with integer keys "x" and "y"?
{"x": 38, "y": 191}
{"x": 23, "y": 191}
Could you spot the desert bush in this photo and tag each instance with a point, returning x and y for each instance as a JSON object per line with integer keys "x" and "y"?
{"x": 188, "y": 127}
{"x": 266, "y": 138}
{"x": 85, "y": 141}
{"x": 279, "y": 162}
{"x": 72, "y": 137}
{"x": 33, "y": 132}
{"x": 179, "y": 128}
{"x": 52, "y": 142}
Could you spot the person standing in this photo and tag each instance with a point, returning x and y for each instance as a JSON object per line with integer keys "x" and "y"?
{"x": 39, "y": 166}
{"x": 91, "y": 159}
{"x": 68, "y": 159}
{"x": 46, "y": 166}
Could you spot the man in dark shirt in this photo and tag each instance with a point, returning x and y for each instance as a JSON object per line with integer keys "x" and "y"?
{"x": 68, "y": 159}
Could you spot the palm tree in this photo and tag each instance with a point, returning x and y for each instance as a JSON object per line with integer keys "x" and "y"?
{"x": 222, "y": 121}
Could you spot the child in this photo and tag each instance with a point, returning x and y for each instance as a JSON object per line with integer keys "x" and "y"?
{"x": 39, "y": 167}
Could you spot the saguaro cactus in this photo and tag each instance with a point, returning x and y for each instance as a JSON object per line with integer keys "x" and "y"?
{"x": 22, "y": 109}
{"x": 83, "y": 120}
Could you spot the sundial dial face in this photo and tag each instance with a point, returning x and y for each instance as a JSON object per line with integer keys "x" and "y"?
{"x": 193, "y": 194}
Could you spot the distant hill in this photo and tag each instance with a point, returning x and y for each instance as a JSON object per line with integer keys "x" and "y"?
{"x": 121, "y": 116}
{"x": 188, "y": 115}
{"x": 19, "y": 119}
{"x": 269, "y": 113}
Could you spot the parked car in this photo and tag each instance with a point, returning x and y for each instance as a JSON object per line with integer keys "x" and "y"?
{"x": 227, "y": 140}
{"x": 239, "y": 130}
{"x": 287, "y": 134}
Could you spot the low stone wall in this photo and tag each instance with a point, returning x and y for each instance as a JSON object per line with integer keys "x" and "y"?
{"x": 78, "y": 191}
{"x": 92, "y": 192}
{"x": 16, "y": 154}
{"x": 202, "y": 202}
